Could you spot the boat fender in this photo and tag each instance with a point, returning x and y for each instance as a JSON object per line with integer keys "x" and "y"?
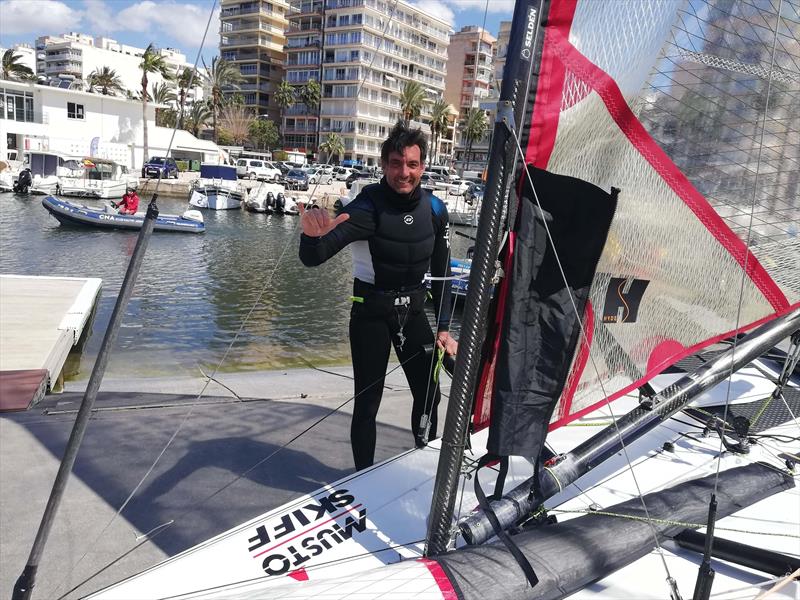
{"x": 193, "y": 215}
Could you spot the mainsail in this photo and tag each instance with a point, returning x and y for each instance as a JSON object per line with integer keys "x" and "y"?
{"x": 693, "y": 115}
{"x": 690, "y": 111}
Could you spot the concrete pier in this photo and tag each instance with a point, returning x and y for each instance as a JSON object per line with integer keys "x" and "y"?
{"x": 41, "y": 319}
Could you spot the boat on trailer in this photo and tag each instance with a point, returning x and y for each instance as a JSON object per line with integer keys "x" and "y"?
{"x": 107, "y": 217}
{"x": 620, "y": 300}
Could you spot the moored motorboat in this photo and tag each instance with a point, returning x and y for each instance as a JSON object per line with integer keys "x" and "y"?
{"x": 218, "y": 188}
{"x": 98, "y": 178}
{"x": 105, "y": 217}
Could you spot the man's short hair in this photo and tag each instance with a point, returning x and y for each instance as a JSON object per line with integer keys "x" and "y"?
{"x": 401, "y": 137}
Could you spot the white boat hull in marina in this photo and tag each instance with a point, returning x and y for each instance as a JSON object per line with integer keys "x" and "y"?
{"x": 365, "y": 531}
{"x": 216, "y": 198}
{"x": 93, "y": 189}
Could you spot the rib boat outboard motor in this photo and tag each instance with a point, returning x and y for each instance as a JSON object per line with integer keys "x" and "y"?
{"x": 269, "y": 205}
{"x": 280, "y": 203}
{"x": 24, "y": 181}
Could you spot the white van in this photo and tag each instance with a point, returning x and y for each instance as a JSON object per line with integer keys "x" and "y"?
{"x": 446, "y": 172}
{"x": 254, "y": 168}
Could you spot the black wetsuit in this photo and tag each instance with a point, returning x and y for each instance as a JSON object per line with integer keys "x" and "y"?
{"x": 397, "y": 238}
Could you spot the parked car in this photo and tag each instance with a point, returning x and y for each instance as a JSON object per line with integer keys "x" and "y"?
{"x": 456, "y": 186}
{"x": 296, "y": 179}
{"x": 342, "y": 173}
{"x": 358, "y": 175}
{"x": 474, "y": 193}
{"x": 283, "y": 166}
{"x": 432, "y": 181}
{"x": 160, "y": 167}
{"x": 253, "y": 168}
{"x": 320, "y": 175}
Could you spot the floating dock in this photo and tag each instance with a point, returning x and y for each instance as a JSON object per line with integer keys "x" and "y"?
{"x": 41, "y": 319}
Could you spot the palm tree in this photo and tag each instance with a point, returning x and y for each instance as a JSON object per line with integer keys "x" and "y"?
{"x": 311, "y": 95}
{"x": 106, "y": 80}
{"x": 440, "y": 120}
{"x": 186, "y": 77}
{"x": 152, "y": 62}
{"x": 411, "y": 100}
{"x": 161, "y": 93}
{"x": 13, "y": 68}
{"x": 235, "y": 120}
{"x": 473, "y": 129}
{"x": 198, "y": 115}
{"x": 284, "y": 96}
{"x": 222, "y": 74}
{"x": 332, "y": 146}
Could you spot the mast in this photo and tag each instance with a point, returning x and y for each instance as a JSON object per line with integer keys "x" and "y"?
{"x": 24, "y": 585}
{"x": 520, "y": 76}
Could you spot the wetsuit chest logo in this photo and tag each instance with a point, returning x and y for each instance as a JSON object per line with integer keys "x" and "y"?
{"x": 408, "y": 219}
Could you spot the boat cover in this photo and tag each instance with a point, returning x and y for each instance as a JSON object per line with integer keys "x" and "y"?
{"x": 226, "y": 172}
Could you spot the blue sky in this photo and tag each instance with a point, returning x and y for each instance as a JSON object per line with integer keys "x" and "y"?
{"x": 180, "y": 23}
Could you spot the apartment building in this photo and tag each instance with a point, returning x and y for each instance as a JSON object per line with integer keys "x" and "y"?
{"x": 303, "y": 63}
{"x": 501, "y": 49}
{"x": 369, "y": 49}
{"x": 469, "y": 83}
{"x": 252, "y": 36}
{"x": 72, "y": 57}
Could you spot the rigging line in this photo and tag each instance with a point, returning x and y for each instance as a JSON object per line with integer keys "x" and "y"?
{"x": 283, "y": 446}
{"x": 162, "y": 528}
{"x": 749, "y": 232}
{"x": 155, "y": 194}
{"x": 321, "y": 564}
{"x": 590, "y": 354}
{"x": 373, "y": 50}
{"x": 651, "y": 520}
{"x": 189, "y": 86}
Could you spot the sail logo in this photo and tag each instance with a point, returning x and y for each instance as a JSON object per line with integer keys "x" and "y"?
{"x": 623, "y": 297}
{"x": 530, "y": 28}
{"x": 306, "y": 532}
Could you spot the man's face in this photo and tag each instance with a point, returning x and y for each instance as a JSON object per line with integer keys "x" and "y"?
{"x": 403, "y": 171}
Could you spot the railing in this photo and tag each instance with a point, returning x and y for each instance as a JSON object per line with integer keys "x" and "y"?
{"x": 230, "y": 12}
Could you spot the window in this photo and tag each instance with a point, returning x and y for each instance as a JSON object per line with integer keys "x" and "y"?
{"x": 74, "y": 110}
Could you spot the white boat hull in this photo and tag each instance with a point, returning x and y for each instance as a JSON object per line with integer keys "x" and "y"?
{"x": 341, "y": 538}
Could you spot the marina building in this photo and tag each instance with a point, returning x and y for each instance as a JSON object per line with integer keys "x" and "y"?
{"x": 252, "y": 36}
{"x": 78, "y": 123}
{"x": 368, "y": 49}
{"x": 74, "y": 56}
{"x": 470, "y": 79}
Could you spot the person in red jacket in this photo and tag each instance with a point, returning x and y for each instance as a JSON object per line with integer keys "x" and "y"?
{"x": 129, "y": 203}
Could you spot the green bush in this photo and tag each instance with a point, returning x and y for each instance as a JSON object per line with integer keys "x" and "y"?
{"x": 183, "y": 165}
{"x": 279, "y": 155}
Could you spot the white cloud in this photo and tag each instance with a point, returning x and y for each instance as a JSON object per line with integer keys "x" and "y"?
{"x": 99, "y": 17}
{"x": 490, "y": 6}
{"x": 36, "y": 16}
{"x": 142, "y": 16}
{"x": 438, "y": 9}
{"x": 193, "y": 20}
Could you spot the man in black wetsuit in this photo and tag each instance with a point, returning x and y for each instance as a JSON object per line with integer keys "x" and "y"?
{"x": 398, "y": 230}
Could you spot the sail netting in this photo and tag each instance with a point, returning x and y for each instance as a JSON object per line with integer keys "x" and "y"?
{"x": 692, "y": 110}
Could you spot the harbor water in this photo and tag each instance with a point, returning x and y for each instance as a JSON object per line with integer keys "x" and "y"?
{"x": 235, "y": 298}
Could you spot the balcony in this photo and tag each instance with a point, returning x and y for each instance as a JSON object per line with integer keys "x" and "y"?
{"x": 250, "y": 10}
